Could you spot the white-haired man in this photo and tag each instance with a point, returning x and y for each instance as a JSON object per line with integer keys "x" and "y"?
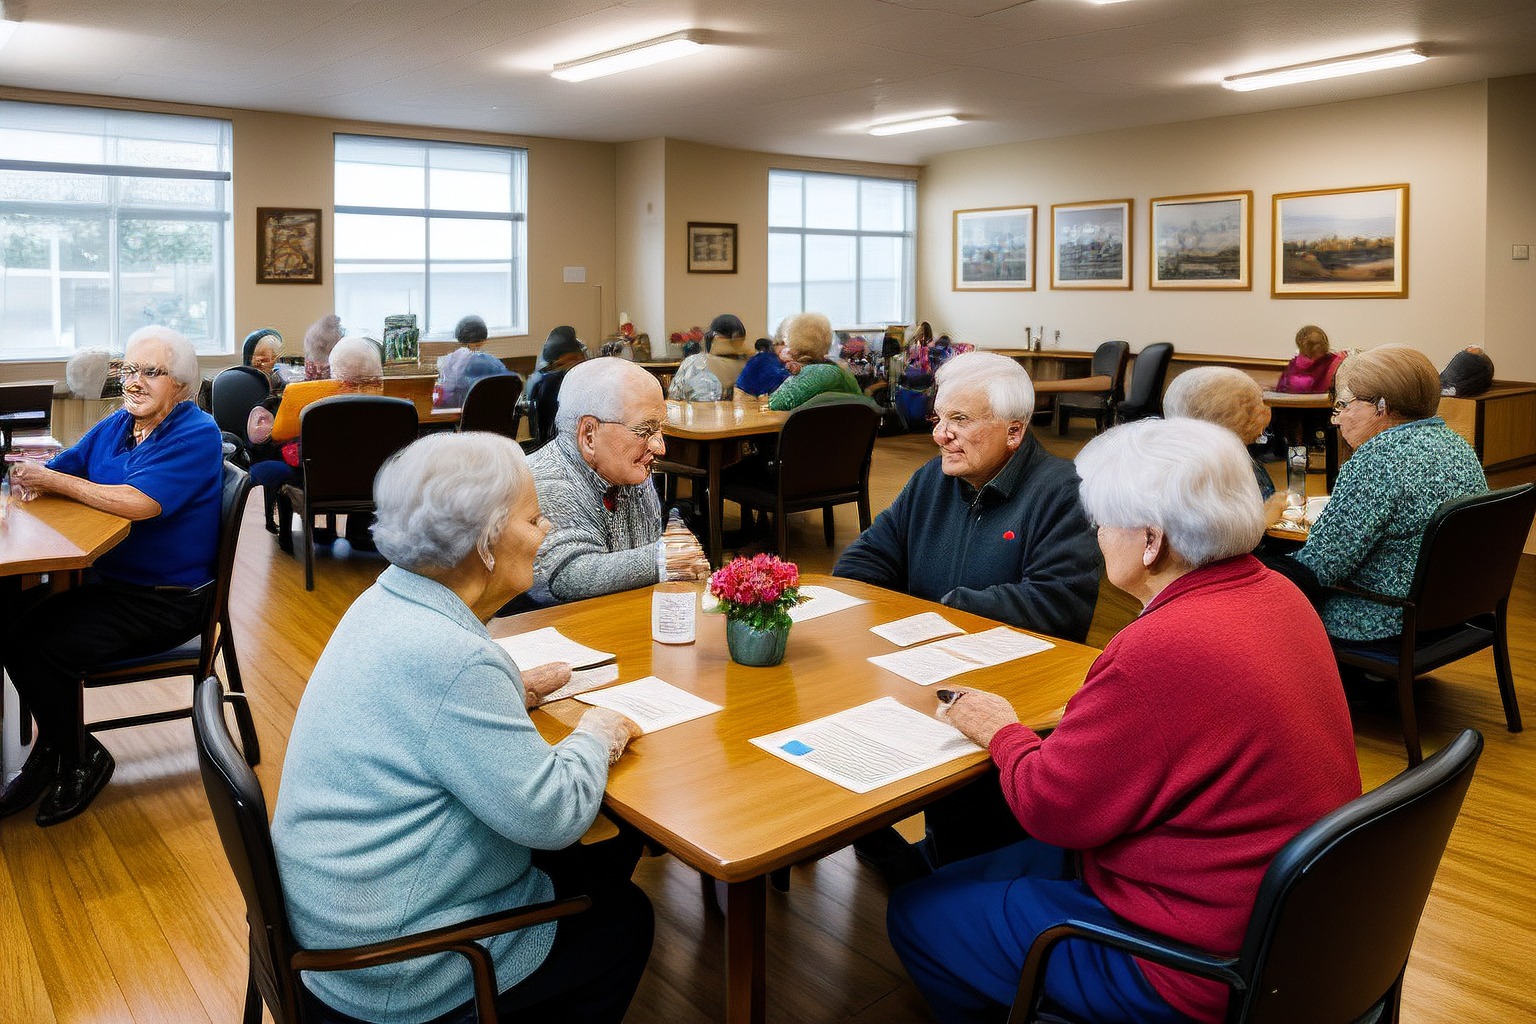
{"x": 593, "y": 482}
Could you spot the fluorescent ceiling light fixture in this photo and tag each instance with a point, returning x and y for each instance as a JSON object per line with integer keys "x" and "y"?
{"x": 1336, "y": 67}
{"x": 918, "y": 125}
{"x": 627, "y": 58}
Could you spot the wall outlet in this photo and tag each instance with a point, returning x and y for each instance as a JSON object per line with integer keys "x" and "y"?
{"x": 1519, "y": 252}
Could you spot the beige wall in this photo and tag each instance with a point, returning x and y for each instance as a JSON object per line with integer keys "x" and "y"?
{"x": 640, "y": 237}
{"x": 1511, "y": 287}
{"x": 1434, "y": 140}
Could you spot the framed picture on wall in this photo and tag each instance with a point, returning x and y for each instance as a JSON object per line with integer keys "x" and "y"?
{"x": 994, "y": 250}
{"x": 1091, "y": 244}
{"x": 1202, "y": 242}
{"x": 711, "y": 248}
{"x": 287, "y": 246}
{"x": 1349, "y": 243}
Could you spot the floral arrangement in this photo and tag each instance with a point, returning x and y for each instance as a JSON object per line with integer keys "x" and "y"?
{"x": 758, "y": 591}
{"x": 681, "y": 338}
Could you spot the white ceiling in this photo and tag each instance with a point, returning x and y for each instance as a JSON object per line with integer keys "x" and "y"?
{"x": 790, "y": 76}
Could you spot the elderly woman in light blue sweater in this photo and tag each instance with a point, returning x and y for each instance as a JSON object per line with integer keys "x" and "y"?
{"x": 416, "y": 790}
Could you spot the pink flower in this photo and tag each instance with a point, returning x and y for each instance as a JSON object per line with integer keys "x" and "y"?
{"x": 760, "y": 580}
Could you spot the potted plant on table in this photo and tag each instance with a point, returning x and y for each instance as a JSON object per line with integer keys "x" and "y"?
{"x": 755, "y": 595}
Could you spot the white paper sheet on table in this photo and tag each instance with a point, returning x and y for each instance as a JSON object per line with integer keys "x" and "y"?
{"x": 869, "y": 746}
{"x": 543, "y": 646}
{"x": 583, "y": 680}
{"x": 819, "y": 601}
{"x": 652, "y": 703}
{"x": 916, "y": 629}
{"x": 935, "y": 662}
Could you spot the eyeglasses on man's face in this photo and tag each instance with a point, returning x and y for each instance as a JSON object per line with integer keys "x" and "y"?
{"x": 953, "y": 422}
{"x": 643, "y": 432}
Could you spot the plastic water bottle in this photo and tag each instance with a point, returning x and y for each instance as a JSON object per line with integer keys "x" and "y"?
{"x": 1296, "y": 473}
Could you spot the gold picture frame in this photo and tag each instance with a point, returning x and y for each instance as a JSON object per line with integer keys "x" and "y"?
{"x": 1341, "y": 243}
{"x": 994, "y": 249}
{"x": 1091, "y": 245}
{"x": 1201, "y": 242}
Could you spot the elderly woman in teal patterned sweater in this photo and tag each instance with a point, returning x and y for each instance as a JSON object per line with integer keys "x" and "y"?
{"x": 1406, "y": 463}
{"x": 808, "y": 337}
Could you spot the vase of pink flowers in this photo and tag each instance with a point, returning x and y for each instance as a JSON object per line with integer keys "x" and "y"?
{"x": 756, "y": 595}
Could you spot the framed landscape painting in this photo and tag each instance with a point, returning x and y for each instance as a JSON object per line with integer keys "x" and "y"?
{"x": 1202, "y": 242}
{"x": 1091, "y": 244}
{"x": 287, "y": 246}
{"x": 1341, "y": 244}
{"x": 711, "y": 248}
{"x": 994, "y": 249}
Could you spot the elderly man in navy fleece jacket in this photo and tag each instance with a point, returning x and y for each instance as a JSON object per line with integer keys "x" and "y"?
{"x": 993, "y": 525}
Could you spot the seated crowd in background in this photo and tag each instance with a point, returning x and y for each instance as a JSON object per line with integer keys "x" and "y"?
{"x": 461, "y": 369}
{"x": 807, "y": 340}
{"x": 764, "y": 372}
{"x": 541, "y": 397}
{"x": 262, "y": 349}
{"x": 1312, "y": 369}
{"x": 1227, "y": 397}
{"x": 710, "y": 375}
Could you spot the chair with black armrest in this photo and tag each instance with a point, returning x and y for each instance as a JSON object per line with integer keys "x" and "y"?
{"x": 196, "y": 657}
{"x": 1109, "y": 360}
{"x": 343, "y": 440}
{"x": 26, "y": 407}
{"x": 1145, "y": 398}
{"x": 1457, "y": 603}
{"x": 543, "y": 405}
{"x": 823, "y": 460}
{"x": 492, "y": 405}
{"x": 240, "y": 812}
{"x": 235, "y": 392}
{"x": 1335, "y": 915}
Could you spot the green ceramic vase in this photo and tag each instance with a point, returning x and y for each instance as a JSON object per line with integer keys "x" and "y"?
{"x": 756, "y": 647}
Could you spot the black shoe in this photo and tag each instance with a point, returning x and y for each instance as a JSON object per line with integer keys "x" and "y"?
{"x": 897, "y": 860}
{"x": 36, "y": 777}
{"x": 77, "y": 786}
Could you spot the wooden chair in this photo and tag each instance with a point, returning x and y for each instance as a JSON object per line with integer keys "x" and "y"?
{"x": 343, "y": 440}
{"x": 1335, "y": 915}
{"x": 1147, "y": 378}
{"x": 240, "y": 812}
{"x": 196, "y": 657}
{"x": 1109, "y": 360}
{"x": 492, "y": 405}
{"x": 1457, "y": 603}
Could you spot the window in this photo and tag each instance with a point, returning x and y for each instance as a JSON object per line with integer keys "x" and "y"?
{"x": 842, "y": 246}
{"x": 111, "y": 220}
{"x": 431, "y": 228}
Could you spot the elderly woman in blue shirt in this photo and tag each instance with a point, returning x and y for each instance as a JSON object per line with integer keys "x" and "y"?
{"x": 158, "y": 462}
{"x": 418, "y": 793}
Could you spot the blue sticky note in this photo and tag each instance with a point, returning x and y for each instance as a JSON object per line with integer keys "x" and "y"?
{"x": 795, "y": 747}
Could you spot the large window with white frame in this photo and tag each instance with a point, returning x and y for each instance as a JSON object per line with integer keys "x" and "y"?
{"x": 432, "y": 228}
{"x": 841, "y": 245}
{"x": 111, "y": 220}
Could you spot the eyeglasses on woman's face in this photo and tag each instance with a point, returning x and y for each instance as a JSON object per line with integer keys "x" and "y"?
{"x": 144, "y": 372}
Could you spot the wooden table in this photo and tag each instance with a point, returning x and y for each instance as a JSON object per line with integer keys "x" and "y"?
{"x": 701, "y": 434}
{"x": 735, "y": 812}
{"x": 416, "y": 388}
{"x": 1102, "y": 382}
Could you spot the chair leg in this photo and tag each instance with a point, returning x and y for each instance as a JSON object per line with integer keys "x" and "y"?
{"x": 309, "y": 550}
{"x": 781, "y": 523}
{"x": 1501, "y": 666}
{"x": 1410, "y": 716}
{"x": 828, "y": 525}
{"x": 252, "y": 994}
{"x": 864, "y": 508}
{"x": 1061, "y": 420}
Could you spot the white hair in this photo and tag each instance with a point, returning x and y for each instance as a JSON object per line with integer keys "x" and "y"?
{"x": 183, "y": 363}
{"x": 1223, "y": 395}
{"x": 443, "y": 496}
{"x": 808, "y": 334}
{"x": 1010, "y": 395}
{"x": 1191, "y": 479}
{"x": 598, "y": 387}
{"x": 356, "y": 358}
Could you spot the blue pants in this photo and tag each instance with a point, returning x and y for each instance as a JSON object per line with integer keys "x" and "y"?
{"x": 963, "y": 933}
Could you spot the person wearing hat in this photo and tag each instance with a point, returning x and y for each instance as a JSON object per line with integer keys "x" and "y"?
{"x": 710, "y": 376}
{"x": 562, "y": 350}
{"x": 262, "y": 348}
{"x": 458, "y": 371}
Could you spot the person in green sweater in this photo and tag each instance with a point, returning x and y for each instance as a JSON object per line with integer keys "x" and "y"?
{"x": 808, "y": 337}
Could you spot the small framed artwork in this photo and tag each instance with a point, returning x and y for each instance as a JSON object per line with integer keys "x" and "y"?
{"x": 994, "y": 250}
{"x": 1091, "y": 244}
{"x": 1349, "y": 243}
{"x": 1202, "y": 242}
{"x": 287, "y": 246}
{"x": 711, "y": 248}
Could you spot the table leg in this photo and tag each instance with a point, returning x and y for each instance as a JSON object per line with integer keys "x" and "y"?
{"x": 746, "y": 940}
{"x": 716, "y": 503}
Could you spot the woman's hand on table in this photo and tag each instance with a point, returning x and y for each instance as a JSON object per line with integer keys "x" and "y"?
{"x": 542, "y": 680}
{"x": 977, "y": 713}
{"x": 1274, "y": 505}
{"x": 613, "y": 728}
{"x": 28, "y": 480}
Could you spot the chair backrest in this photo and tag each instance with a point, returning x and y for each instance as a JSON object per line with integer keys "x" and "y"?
{"x": 236, "y": 391}
{"x": 492, "y": 405}
{"x": 31, "y": 401}
{"x": 240, "y": 813}
{"x": 1469, "y": 554}
{"x": 544, "y": 405}
{"x": 826, "y": 448}
{"x": 1337, "y": 910}
{"x": 1109, "y": 360}
{"x": 344, "y": 439}
{"x": 1146, "y": 394}
{"x": 237, "y": 488}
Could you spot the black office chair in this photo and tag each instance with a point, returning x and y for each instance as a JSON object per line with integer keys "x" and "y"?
{"x": 234, "y": 393}
{"x": 543, "y": 404}
{"x": 1457, "y": 603}
{"x": 240, "y": 812}
{"x": 343, "y": 440}
{"x": 195, "y": 658}
{"x": 824, "y": 455}
{"x": 1109, "y": 360}
{"x": 1335, "y": 915}
{"x": 492, "y": 405}
{"x": 1147, "y": 378}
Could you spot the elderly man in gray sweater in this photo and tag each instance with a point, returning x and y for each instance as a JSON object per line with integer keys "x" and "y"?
{"x": 593, "y": 482}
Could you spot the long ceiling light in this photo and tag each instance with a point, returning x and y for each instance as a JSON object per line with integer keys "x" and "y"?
{"x": 1336, "y": 67}
{"x": 917, "y": 125}
{"x": 627, "y": 58}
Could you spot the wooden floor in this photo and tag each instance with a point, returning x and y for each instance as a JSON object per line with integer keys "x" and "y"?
{"x": 129, "y": 912}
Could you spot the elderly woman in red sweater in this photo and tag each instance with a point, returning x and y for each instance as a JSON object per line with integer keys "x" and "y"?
{"x": 1200, "y": 743}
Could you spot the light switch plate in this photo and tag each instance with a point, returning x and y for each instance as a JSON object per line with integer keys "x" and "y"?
{"x": 575, "y": 275}
{"x": 1519, "y": 252}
